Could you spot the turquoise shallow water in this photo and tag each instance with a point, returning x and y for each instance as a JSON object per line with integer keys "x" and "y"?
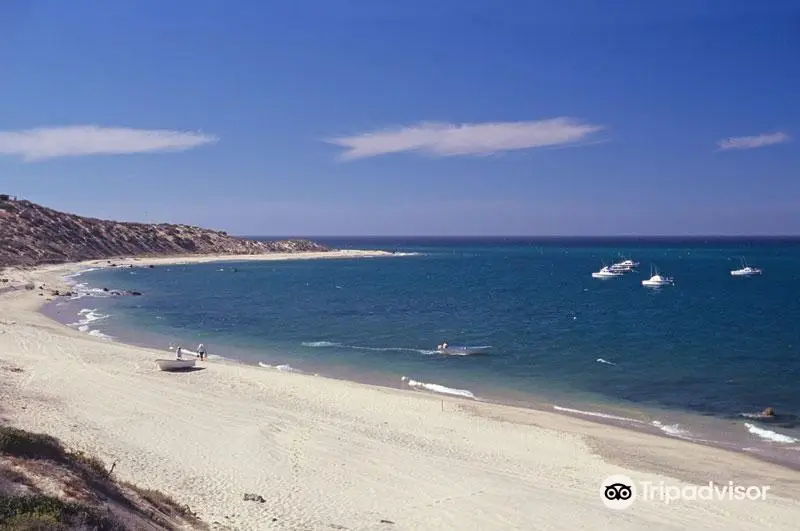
{"x": 711, "y": 345}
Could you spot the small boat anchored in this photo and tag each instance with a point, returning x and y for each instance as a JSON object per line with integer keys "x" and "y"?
{"x": 745, "y": 270}
{"x": 459, "y": 350}
{"x": 656, "y": 280}
{"x": 606, "y": 272}
{"x": 624, "y": 266}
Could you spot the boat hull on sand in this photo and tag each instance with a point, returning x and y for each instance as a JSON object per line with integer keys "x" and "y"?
{"x": 175, "y": 365}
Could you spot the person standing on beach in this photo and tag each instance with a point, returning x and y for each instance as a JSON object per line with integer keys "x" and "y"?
{"x": 201, "y": 349}
{"x": 179, "y": 353}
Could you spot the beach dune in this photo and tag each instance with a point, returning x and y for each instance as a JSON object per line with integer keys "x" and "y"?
{"x": 329, "y": 454}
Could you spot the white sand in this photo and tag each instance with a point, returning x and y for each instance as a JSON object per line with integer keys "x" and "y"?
{"x": 329, "y": 454}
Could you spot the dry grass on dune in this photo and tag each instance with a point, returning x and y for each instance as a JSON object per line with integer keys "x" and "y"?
{"x": 44, "y": 486}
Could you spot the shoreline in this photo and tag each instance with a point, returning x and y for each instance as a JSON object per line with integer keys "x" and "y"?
{"x": 627, "y": 416}
{"x": 752, "y": 437}
{"x": 598, "y": 447}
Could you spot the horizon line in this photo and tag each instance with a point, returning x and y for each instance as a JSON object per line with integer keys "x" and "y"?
{"x": 534, "y": 236}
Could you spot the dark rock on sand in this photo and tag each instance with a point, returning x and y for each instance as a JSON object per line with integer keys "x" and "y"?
{"x": 254, "y": 497}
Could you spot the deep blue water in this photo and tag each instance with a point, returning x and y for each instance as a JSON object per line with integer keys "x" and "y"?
{"x": 711, "y": 344}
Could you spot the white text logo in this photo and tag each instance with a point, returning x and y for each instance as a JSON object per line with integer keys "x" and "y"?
{"x": 619, "y": 492}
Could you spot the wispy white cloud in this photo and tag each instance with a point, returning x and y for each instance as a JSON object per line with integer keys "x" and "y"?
{"x": 49, "y": 142}
{"x": 446, "y": 140}
{"x": 752, "y": 142}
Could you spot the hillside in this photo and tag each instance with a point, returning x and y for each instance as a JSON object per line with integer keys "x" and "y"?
{"x": 31, "y": 234}
{"x": 44, "y": 486}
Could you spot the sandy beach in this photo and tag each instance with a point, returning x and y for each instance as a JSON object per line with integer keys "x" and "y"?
{"x": 330, "y": 454}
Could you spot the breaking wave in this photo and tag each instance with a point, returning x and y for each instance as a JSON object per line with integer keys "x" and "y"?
{"x": 101, "y": 335}
{"x": 596, "y": 414}
{"x": 320, "y": 344}
{"x": 280, "y": 368}
{"x": 87, "y": 316}
{"x": 329, "y": 344}
{"x": 437, "y": 388}
{"x": 673, "y": 430}
{"x": 769, "y": 435}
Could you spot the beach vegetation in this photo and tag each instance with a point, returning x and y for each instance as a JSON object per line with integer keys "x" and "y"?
{"x": 165, "y": 503}
{"x": 45, "y": 486}
{"x": 39, "y": 512}
{"x": 21, "y": 443}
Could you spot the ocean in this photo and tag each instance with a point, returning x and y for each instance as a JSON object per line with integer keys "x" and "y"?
{"x": 686, "y": 360}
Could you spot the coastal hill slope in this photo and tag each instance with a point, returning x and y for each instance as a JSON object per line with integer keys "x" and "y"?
{"x": 31, "y": 234}
{"x": 43, "y": 485}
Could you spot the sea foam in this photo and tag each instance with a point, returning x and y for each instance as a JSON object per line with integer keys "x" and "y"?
{"x": 320, "y": 344}
{"x": 330, "y": 344}
{"x": 769, "y": 435}
{"x": 596, "y": 414}
{"x": 437, "y": 388}
{"x": 82, "y": 289}
{"x": 91, "y": 314}
{"x": 280, "y": 368}
{"x": 673, "y": 430}
{"x": 101, "y": 335}
{"x": 87, "y": 316}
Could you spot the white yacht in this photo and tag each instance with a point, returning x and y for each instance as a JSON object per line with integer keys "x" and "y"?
{"x": 745, "y": 270}
{"x": 656, "y": 280}
{"x": 606, "y": 272}
{"x": 624, "y": 266}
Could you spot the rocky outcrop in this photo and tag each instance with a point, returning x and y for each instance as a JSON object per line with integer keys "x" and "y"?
{"x": 31, "y": 234}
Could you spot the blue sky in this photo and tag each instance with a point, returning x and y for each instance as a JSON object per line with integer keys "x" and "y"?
{"x": 333, "y": 117}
